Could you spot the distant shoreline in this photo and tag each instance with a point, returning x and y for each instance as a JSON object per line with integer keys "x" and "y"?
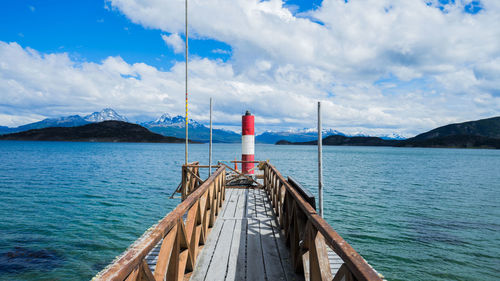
{"x": 107, "y": 131}
{"x": 454, "y": 141}
{"x": 480, "y": 134}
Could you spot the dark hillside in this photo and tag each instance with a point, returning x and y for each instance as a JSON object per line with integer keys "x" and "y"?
{"x": 107, "y": 131}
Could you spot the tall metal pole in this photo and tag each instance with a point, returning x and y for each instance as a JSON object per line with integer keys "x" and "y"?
{"x": 210, "y": 144}
{"x": 186, "y": 19}
{"x": 320, "y": 160}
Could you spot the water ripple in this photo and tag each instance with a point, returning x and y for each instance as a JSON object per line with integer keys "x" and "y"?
{"x": 414, "y": 214}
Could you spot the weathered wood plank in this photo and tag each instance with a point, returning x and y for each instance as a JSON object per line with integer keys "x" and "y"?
{"x": 245, "y": 250}
{"x": 319, "y": 253}
{"x": 355, "y": 263}
{"x": 134, "y": 256}
{"x": 335, "y": 261}
{"x": 251, "y": 211}
{"x": 255, "y": 264}
{"x": 165, "y": 253}
{"x": 267, "y": 204}
{"x": 246, "y": 203}
{"x": 152, "y": 257}
{"x": 228, "y": 196}
{"x": 286, "y": 261}
{"x": 207, "y": 252}
{"x": 145, "y": 273}
{"x": 272, "y": 261}
{"x": 230, "y": 204}
{"x": 236, "y": 268}
{"x": 133, "y": 275}
{"x": 241, "y": 204}
{"x": 260, "y": 209}
{"x": 218, "y": 266}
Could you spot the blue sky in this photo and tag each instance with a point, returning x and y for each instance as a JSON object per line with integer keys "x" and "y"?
{"x": 91, "y": 31}
{"x": 379, "y": 67}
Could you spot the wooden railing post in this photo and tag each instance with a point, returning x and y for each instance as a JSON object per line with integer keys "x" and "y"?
{"x": 308, "y": 235}
{"x": 180, "y": 240}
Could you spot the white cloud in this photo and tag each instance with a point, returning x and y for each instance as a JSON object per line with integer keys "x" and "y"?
{"x": 174, "y": 41}
{"x": 359, "y": 39}
{"x": 354, "y": 44}
{"x": 221, "y": 51}
{"x": 35, "y": 85}
{"x": 442, "y": 66}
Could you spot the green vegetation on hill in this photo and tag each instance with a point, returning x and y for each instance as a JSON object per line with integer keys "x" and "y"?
{"x": 107, "y": 131}
{"x": 489, "y": 128}
{"x": 484, "y": 133}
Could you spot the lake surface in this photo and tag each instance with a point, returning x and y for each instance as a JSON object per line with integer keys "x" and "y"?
{"x": 67, "y": 209}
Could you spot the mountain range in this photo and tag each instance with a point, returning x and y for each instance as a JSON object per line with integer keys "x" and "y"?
{"x": 484, "y": 133}
{"x": 480, "y": 133}
{"x": 68, "y": 121}
{"x": 168, "y": 125}
{"x": 301, "y": 135}
{"x": 175, "y": 126}
{"x": 105, "y": 131}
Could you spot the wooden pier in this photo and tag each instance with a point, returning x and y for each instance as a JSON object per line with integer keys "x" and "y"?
{"x": 264, "y": 231}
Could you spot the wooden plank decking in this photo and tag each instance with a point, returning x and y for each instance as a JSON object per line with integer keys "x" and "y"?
{"x": 245, "y": 243}
{"x": 222, "y": 233}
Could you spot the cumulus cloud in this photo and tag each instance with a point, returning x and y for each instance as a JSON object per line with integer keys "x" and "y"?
{"x": 341, "y": 49}
{"x": 221, "y": 51}
{"x": 379, "y": 66}
{"x": 174, "y": 41}
{"x": 370, "y": 37}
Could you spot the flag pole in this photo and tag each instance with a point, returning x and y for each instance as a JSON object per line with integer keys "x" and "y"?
{"x": 210, "y": 143}
{"x": 320, "y": 164}
{"x": 186, "y": 21}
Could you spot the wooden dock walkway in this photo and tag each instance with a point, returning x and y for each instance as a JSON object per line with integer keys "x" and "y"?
{"x": 245, "y": 243}
{"x": 247, "y": 222}
{"x": 267, "y": 231}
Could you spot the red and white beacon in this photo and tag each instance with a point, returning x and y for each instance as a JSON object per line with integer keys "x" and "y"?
{"x": 247, "y": 142}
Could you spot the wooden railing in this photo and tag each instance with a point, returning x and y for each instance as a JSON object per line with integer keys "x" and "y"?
{"x": 181, "y": 240}
{"x": 190, "y": 179}
{"x": 308, "y": 235}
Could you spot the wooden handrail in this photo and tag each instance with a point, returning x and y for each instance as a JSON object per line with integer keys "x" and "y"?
{"x": 190, "y": 179}
{"x": 307, "y": 233}
{"x": 180, "y": 239}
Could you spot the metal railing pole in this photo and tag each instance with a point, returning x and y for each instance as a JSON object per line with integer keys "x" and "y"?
{"x": 186, "y": 19}
{"x": 210, "y": 143}
{"x": 320, "y": 160}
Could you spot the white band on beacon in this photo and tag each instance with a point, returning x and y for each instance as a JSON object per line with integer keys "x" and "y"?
{"x": 247, "y": 144}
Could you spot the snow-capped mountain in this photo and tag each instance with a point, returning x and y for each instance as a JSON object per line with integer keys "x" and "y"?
{"x": 105, "y": 115}
{"x": 295, "y": 135}
{"x": 166, "y": 120}
{"x": 311, "y": 134}
{"x": 393, "y": 136}
{"x": 311, "y": 131}
{"x": 175, "y": 126}
{"x": 169, "y": 125}
{"x": 67, "y": 121}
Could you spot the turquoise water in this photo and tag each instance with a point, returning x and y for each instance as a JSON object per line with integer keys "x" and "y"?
{"x": 67, "y": 209}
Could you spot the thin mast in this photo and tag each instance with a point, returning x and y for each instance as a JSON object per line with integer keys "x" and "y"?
{"x": 320, "y": 160}
{"x": 186, "y": 19}
{"x": 210, "y": 144}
